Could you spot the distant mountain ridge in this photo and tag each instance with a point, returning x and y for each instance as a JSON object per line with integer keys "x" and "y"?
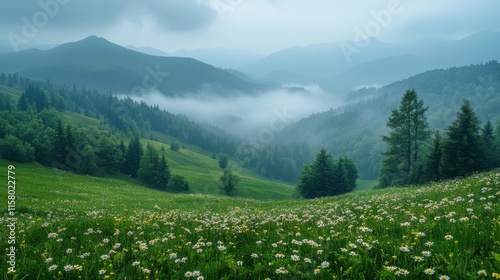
{"x": 221, "y": 57}
{"x": 344, "y": 66}
{"x": 97, "y": 63}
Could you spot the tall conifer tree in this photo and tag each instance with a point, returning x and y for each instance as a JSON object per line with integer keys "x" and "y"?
{"x": 402, "y": 162}
{"x": 463, "y": 150}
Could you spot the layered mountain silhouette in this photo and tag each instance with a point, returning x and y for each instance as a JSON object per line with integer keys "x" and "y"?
{"x": 97, "y": 63}
{"x": 349, "y": 65}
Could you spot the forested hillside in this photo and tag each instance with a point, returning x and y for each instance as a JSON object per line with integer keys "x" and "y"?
{"x": 355, "y": 130}
{"x": 30, "y": 105}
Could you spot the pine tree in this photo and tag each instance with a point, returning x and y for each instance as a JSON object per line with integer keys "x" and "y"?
{"x": 60, "y": 151}
{"x": 402, "y": 162}
{"x": 133, "y": 157}
{"x": 23, "y": 103}
{"x": 122, "y": 150}
{"x": 70, "y": 142}
{"x": 163, "y": 174}
{"x": 497, "y": 144}
{"x": 149, "y": 167}
{"x": 350, "y": 175}
{"x": 463, "y": 149}
{"x": 433, "y": 163}
{"x": 489, "y": 144}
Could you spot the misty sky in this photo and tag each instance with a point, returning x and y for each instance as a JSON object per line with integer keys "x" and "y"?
{"x": 261, "y": 26}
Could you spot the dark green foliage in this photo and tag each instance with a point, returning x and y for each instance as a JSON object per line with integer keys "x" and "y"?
{"x": 88, "y": 163}
{"x": 164, "y": 175}
{"x": 23, "y": 103}
{"x": 153, "y": 171}
{"x": 176, "y": 146}
{"x": 497, "y": 143}
{"x": 178, "y": 184}
{"x": 282, "y": 162}
{"x": 403, "y": 158}
{"x": 327, "y": 177}
{"x": 59, "y": 144}
{"x": 433, "y": 163}
{"x": 133, "y": 157}
{"x": 149, "y": 166}
{"x": 12, "y": 148}
{"x": 228, "y": 181}
{"x": 491, "y": 152}
{"x": 223, "y": 160}
{"x": 123, "y": 152}
{"x": 109, "y": 156}
{"x": 463, "y": 149}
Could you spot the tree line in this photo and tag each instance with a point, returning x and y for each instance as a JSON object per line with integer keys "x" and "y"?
{"x": 412, "y": 156}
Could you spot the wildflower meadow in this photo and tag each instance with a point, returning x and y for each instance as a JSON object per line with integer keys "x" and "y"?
{"x": 446, "y": 230}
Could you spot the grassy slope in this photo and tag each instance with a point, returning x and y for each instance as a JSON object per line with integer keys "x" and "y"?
{"x": 11, "y": 93}
{"x": 193, "y": 162}
{"x": 386, "y": 220}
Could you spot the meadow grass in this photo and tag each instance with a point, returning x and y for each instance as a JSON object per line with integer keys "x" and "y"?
{"x": 72, "y": 227}
{"x": 363, "y": 185}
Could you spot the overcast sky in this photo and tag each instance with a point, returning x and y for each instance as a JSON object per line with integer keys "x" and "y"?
{"x": 261, "y": 26}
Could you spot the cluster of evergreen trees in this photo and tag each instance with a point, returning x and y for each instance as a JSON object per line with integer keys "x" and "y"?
{"x": 327, "y": 176}
{"x": 42, "y": 137}
{"x": 411, "y": 158}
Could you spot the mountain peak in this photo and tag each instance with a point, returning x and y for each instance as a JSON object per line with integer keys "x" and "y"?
{"x": 94, "y": 40}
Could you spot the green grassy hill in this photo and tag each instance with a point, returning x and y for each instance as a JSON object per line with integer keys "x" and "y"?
{"x": 192, "y": 162}
{"x": 70, "y": 226}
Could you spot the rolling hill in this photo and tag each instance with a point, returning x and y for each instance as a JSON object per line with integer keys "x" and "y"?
{"x": 97, "y": 63}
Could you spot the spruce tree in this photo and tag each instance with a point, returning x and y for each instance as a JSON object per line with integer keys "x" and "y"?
{"x": 149, "y": 167}
{"x": 402, "y": 162}
{"x": 463, "y": 149}
{"x": 489, "y": 145}
{"x": 60, "y": 151}
{"x": 433, "y": 163}
{"x": 163, "y": 174}
{"x": 23, "y": 103}
{"x": 133, "y": 157}
{"x": 497, "y": 143}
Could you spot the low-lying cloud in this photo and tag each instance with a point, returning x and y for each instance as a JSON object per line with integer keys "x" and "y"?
{"x": 245, "y": 115}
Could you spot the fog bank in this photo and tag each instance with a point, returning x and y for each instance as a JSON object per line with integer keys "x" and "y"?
{"x": 244, "y": 115}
